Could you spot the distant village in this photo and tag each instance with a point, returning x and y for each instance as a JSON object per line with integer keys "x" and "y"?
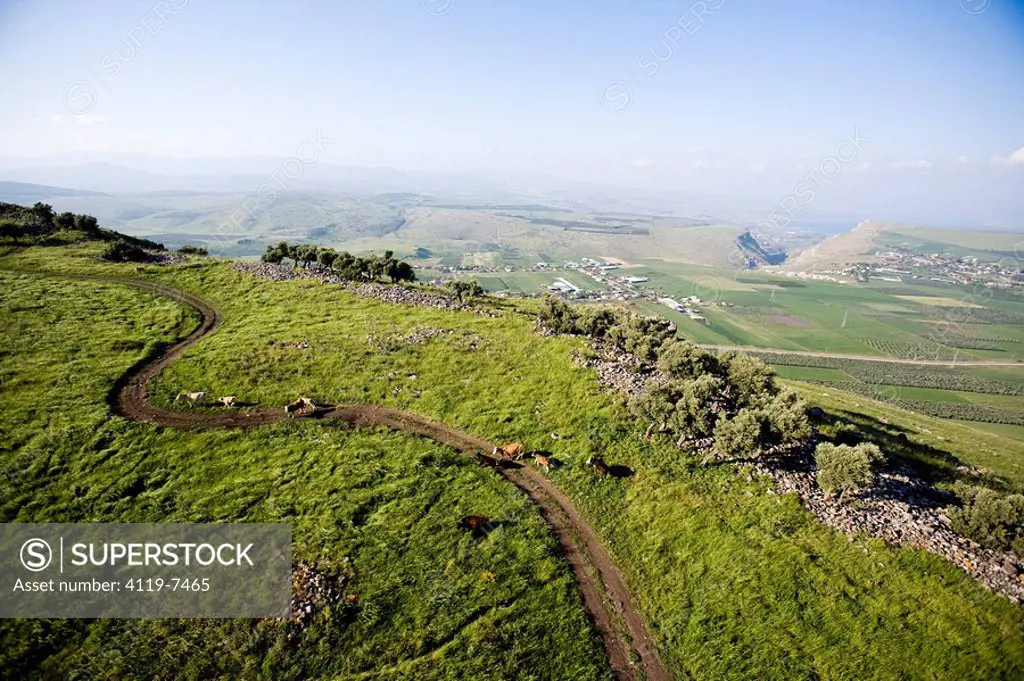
{"x": 611, "y": 285}
{"x": 898, "y": 265}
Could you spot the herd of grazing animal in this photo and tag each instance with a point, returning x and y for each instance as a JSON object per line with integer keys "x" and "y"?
{"x": 479, "y": 525}
{"x": 301, "y": 406}
{"x": 500, "y": 454}
{"x": 516, "y": 452}
{"x": 476, "y": 524}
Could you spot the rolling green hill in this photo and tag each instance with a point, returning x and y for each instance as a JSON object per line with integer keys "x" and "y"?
{"x": 733, "y": 580}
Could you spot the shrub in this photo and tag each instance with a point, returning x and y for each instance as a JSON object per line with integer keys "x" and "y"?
{"x": 558, "y": 316}
{"x": 122, "y": 251}
{"x": 843, "y": 469}
{"x": 740, "y": 435}
{"x": 596, "y": 322}
{"x": 683, "y": 359}
{"x": 463, "y": 289}
{"x": 188, "y": 249}
{"x": 994, "y": 520}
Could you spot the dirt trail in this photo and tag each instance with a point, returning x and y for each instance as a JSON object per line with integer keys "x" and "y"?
{"x": 604, "y": 592}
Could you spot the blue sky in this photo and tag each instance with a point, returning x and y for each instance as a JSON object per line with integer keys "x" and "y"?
{"x": 747, "y": 98}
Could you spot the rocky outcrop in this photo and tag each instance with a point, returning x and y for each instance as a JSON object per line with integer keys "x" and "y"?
{"x": 901, "y": 508}
{"x": 905, "y": 511}
{"x": 617, "y": 370}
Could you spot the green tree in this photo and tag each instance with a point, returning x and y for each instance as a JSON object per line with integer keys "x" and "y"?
{"x": 656, "y": 406}
{"x": 740, "y": 436}
{"x": 64, "y": 221}
{"x": 11, "y": 229}
{"x": 843, "y": 469}
{"x": 556, "y": 315}
{"x": 597, "y": 321}
{"x": 748, "y": 375}
{"x": 683, "y": 359}
{"x": 463, "y": 289}
{"x": 994, "y": 520}
{"x": 86, "y": 223}
{"x": 122, "y": 251}
{"x": 787, "y": 418}
{"x": 42, "y": 214}
{"x": 399, "y": 270}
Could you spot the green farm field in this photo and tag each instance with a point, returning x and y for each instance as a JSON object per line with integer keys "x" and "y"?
{"x": 733, "y": 581}
{"x": 907, "y": 321}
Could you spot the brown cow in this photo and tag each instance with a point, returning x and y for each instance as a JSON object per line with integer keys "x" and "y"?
{"x": 509, "y": 452}
{"x": 477, "y": 524}
{"x": 543, "y": 460}
{"x": 301, "y": 406}
{"x": 485, "y": 460}
{"x": 599, "y": 466}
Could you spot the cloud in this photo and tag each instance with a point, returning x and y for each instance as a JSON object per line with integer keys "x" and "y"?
{"x": 861, "y": 168}
{"x": 1015, "y": 158}
{"x": 641, "y": 162}
{"x": 910, "y": 165}
{"x": 698, "y": 164}
{"x": 962, "y": 159}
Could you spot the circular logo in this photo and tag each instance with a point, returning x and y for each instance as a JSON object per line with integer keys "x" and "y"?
{"x": 616, "y": 97}
{"x": 1018, "y": 253}
{"x": 437, "y": 7}
{"x": 79, "y": 97}
{"x": 36, "y": 555}
{"x": 975, "y": 6}
{"x": 708, "y": 289}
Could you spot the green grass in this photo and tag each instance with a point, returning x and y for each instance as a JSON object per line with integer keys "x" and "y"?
{"x": 734, "y": 582}
{"x": 377, "y": 508}
{"x": 1002, "y": 429}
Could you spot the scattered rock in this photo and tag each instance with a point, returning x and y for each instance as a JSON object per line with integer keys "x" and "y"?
{"x": 312, "y": 590}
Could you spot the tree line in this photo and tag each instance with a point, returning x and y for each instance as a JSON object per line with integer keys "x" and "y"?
{"x": 727, "y": 396}
{"x": 340, "y": 263}
{"x": 730, "y": 399}
{"x": 19, "y": 223}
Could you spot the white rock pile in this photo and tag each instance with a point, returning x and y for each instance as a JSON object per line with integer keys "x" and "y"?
{"x": 312, "y": 591}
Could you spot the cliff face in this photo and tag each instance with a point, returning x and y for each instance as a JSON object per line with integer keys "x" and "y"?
{"x": 760, "y": 254}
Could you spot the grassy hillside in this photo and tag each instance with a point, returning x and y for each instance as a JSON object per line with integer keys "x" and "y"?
{"x": 377, "y": 510}
{"x": 733, "y": 581}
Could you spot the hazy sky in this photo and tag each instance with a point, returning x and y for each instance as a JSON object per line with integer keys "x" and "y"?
{"x": 722, "y": 95}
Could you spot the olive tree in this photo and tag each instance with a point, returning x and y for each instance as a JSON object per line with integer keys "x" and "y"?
{"x": 842, "y": 468}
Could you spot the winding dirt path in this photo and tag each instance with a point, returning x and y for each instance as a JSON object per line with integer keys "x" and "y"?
{"x": 604, "y": 592}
